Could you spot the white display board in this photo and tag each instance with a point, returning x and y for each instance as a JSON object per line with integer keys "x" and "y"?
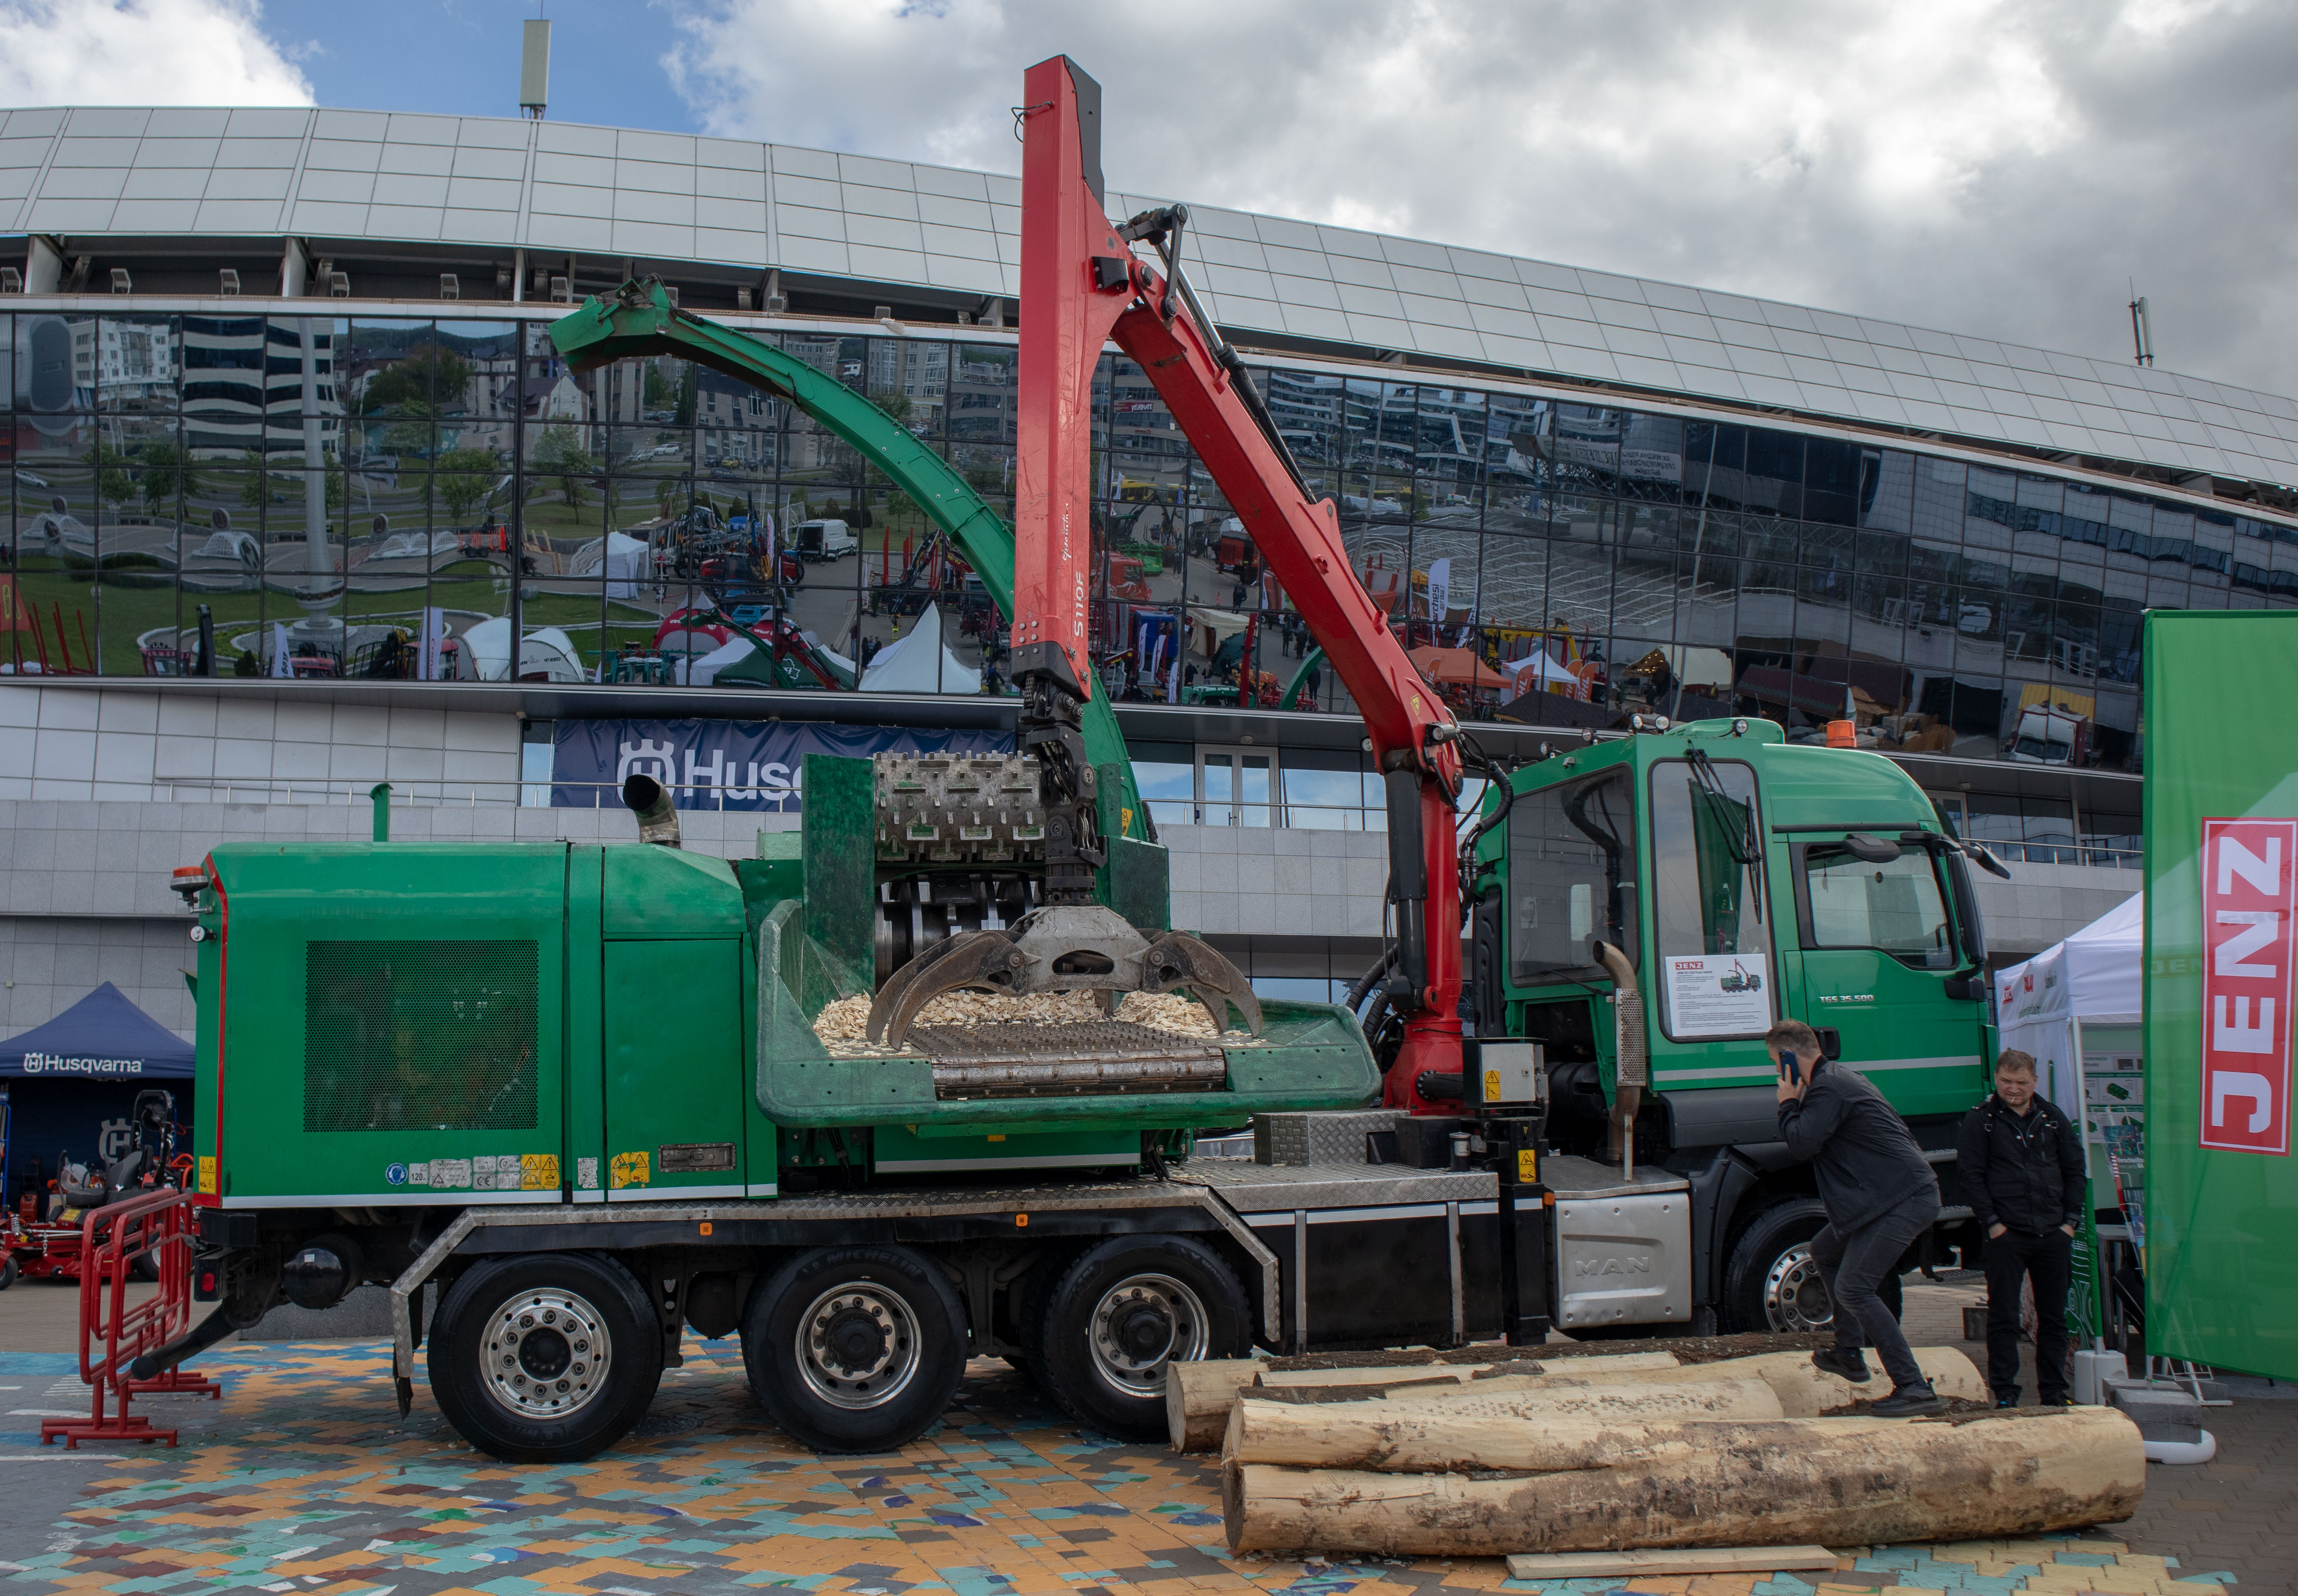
{"x": 1718, "y": 995}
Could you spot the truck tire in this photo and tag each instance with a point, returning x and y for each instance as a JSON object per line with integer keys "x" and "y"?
{"x": 1120, "y": 1312}
{"x": 549, "y": 1358}
{"x": 7, "y": 1272}
{"x": 1771, "y": 1283}
{"x": 855, "y": 1349}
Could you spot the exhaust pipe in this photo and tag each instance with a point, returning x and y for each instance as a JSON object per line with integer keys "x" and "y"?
{"x": 649, "y": 800}
{"x": 1631, "y": 1058}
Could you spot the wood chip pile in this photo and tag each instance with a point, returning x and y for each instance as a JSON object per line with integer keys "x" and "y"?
{"x": 843, "y": 1024}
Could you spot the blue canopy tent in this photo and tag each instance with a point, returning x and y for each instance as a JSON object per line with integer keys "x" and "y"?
{"x": 71, "y": 1084}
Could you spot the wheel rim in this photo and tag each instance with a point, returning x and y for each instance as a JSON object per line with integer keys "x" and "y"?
{"x": 1140, "y": 1325}
{"x": 857, "y": 1344}
{"x": 1795, "y": 1298}
{"x": 548, "y": 1353}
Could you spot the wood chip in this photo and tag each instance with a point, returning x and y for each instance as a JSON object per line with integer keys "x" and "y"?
{"x": 843, "y": 1025}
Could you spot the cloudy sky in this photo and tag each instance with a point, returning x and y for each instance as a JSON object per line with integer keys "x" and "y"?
{"x": 2004, "y": 169}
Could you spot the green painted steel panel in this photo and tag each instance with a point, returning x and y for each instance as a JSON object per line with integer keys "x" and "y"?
{"x": 840, "y": 832}
{"x": 674, "y": 1067}
{"x": 897, "y": 1150}
{"x": 586, "y": 1020}
{"x": 365, "y": 986}
{"x": 656, "y": 891}
{"x": 2221, "y": 1273}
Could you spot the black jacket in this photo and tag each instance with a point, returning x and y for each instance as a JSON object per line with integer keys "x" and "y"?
{"x": 2023, "y": 1172}
{"x": 1861, "y": 1151}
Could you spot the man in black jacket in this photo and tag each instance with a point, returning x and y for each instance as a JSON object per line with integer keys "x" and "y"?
{"x": 2020, "y": 1162}
{"x": 1880, "y": 1194}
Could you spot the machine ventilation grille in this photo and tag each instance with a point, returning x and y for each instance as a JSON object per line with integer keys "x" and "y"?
{"x": 406, "y": 1035}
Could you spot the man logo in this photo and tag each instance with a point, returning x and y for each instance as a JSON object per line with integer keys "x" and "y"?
{"x": 1612, "y": 1266}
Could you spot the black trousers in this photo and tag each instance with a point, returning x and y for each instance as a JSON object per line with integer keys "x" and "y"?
{"x": 2011, "y": 1258}
{"x": 1853, "y": 1262}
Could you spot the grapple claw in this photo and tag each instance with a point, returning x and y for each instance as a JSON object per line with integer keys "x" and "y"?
{"x": 1179, "y": 961}
{"x": 983, "y": 959}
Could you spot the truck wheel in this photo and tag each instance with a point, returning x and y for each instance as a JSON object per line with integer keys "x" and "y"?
{"x": 855, "y": 1349}
{"x": 7, "y": 1273}
{"x": 549, "y": 1358}
{"x": 1771, "y": 1284}
{"x": 1123, "y": 1310}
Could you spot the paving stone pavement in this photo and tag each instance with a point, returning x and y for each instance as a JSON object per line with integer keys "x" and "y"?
{"x": 303, "y": 1478}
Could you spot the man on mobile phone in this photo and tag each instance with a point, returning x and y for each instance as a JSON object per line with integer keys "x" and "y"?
{"x": 2021, "y": 1162}
{"x": 1880, "y": 1194}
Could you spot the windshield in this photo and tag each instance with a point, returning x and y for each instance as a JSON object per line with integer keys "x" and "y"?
{"x": 2037, "y": 748}
{"x": 1571, "y": 875}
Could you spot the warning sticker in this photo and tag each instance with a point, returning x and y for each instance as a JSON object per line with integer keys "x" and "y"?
{"x": 451, "y": 1174}
{"x": 538, "y": 1172}
{"x": 631, "y": 1169}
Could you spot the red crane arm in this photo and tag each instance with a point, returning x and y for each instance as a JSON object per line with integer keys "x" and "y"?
{"x": 1080, "y": 282}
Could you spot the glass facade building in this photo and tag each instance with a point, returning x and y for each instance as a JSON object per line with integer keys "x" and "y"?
{"x": 270, "y": 492}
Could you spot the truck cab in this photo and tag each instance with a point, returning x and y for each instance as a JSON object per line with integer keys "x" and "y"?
{"x": 1745, "y": 881}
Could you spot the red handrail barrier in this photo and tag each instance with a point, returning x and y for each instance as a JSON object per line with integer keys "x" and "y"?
{"x": 113, "y": 1332}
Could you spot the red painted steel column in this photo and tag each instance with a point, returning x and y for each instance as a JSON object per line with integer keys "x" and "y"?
{"x": 1063, "y": 323}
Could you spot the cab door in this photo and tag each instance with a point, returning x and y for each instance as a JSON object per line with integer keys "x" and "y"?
{"x": 1878, "y": 952}
{"x": 675, "y": 1087}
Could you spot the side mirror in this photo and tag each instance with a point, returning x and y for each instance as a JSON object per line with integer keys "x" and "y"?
{"x": 1988, "y": 862}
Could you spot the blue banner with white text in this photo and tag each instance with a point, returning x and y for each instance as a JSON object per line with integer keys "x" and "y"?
{"x": 756, "y": 765}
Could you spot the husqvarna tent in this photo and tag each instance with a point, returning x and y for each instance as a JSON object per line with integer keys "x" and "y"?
{"x": 71, "y": 1082}
{"x": 103, "y": 1036}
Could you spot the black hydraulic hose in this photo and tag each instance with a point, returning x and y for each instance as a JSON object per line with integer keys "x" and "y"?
{"x": 201, "y": 1336}
{"x": 1362, "y": 988}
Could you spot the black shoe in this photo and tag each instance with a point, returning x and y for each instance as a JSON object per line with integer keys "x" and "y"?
{"x": 1907, "y": 1402}
{"x": 1850, "y": 1366}
{"x": 2007, "y": 1399}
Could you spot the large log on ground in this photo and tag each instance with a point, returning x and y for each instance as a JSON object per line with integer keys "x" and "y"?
{"x": 1469, "y": 1433}
{"x": 1198, "y": 1397}
{"x": 1804, "y": 1390}
{"x": 1602, "y": 1488}
{"x": 1465, "y": 1370}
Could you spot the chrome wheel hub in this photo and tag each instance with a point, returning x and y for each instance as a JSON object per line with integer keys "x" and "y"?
{"x": 548, "y": 1353}
{"x": 1795, "y": 1298}
{"x": 857, "y": 1344}
{"x": 1141, "y": 1324}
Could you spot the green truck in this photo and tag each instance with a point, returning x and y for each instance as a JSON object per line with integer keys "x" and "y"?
{"x": 581, "y": 1090}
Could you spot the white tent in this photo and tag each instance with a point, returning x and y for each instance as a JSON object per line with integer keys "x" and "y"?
{"x": 702, "y": 669}
{"x": 920, "y": 662}
{"x": 486, "y": 649}
{"x": 1539, "y": 668}
{"x": 2095, "y": 977}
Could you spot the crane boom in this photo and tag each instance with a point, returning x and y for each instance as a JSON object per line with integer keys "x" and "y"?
{"x": 1080, "y": 275}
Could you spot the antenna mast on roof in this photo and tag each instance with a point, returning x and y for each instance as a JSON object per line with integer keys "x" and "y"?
{"x": 2141, "y": 336}
{"x": 534, "y": 68}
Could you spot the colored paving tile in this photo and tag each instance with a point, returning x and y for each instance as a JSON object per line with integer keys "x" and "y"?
{"x": 303, "y": 1478}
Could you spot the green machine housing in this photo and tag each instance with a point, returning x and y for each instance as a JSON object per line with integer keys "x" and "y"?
{"x": 459, "y": 1023}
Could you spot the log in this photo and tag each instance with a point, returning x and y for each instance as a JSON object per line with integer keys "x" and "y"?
{"x": 1469, "y": 1433}
{"x": 1610, "y": 1487}
{"x": 1461, "y": 1372}
{"x": 1198, "y": 1397}
{"x": 1804, "y": 1390}
{"x": 1707, "y": 1559}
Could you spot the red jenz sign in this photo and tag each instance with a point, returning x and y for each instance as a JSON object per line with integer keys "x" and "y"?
{"x": 2250, "y": 868}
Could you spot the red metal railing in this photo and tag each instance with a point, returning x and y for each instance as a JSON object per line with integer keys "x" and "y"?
{"x": 114, "y": 1331}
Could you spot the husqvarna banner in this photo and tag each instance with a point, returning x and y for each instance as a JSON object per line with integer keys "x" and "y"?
{"x": 727, "y": 764}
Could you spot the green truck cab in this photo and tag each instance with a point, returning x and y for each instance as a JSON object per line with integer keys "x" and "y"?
{"x": 1747, "y": 879}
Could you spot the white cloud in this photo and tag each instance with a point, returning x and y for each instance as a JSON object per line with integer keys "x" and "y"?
{"x": 141, "y": 53}
{"x": 1992, "y": 167}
